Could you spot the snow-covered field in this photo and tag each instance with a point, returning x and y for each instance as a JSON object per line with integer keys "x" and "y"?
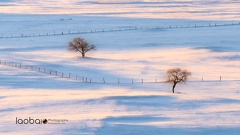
{"x": 199, "y": 107}
{"x": 194, "y": 9}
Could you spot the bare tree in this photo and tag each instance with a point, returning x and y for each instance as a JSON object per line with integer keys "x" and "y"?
{"x": 80, "y": 45}
{"x": 177, "y": 75}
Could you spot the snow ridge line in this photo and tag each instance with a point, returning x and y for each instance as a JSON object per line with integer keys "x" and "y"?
{"x": 74, "y": 77}
{"x": 123, "y": 29}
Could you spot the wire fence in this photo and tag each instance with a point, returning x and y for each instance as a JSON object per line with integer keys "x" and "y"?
{"x": 46, "y": 71}
{"x": 79, "y": 78}
{"x": 70, "y": 76}
{"x": 75, "y": 32}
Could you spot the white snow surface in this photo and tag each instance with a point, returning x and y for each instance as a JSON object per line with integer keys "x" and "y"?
{"x": 187, "y": 9}
{"x": 198, "y": 107}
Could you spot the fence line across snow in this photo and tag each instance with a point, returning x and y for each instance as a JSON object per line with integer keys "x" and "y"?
{"x": 75, "y": 32}
{"x": 91, "y": 80}
{"x": 70, "y": 76}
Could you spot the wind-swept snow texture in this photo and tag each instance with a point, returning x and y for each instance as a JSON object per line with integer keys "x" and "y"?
{"x": 205, "y": 105}
{"x": 187, "y": 9}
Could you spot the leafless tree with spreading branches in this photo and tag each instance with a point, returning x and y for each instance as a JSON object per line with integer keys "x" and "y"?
{"x": 177, "y": 75}
{"x": 80, "y": 45}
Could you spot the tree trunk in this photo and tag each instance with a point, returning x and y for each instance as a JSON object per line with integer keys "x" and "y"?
{"x": 174, "y": 85}
{"x": 83, "y": 54}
